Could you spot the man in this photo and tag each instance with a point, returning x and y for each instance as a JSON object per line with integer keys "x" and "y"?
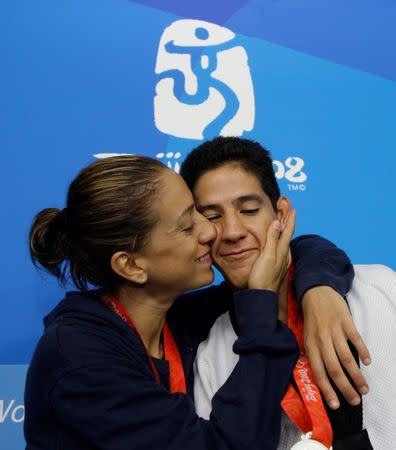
{"x": 234, "y": 186}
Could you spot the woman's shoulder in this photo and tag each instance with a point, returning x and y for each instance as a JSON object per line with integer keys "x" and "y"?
{"x": 82, "y": 331}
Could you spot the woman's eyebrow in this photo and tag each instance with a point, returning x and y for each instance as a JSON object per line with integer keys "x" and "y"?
{"x": 186, "y": 211}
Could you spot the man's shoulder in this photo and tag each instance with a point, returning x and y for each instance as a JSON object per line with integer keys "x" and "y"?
{"x": 372, "y": 301}
{"x": 375, "y": 276}
{"x": 377, "y": 272}
{"x": 373, "y": 292}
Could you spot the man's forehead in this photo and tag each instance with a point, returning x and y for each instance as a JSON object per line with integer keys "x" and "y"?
{"x": 231, "y": 179}
{"x": 213, "y": 193}
{"x": 237, "y": 201}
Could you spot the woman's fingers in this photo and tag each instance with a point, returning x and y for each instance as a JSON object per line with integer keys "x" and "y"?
{"x": 265, "y": 273}
{"x": 274, "y": 259}
{"x": 288, "y": 231}
{"x": 270, "y": 249}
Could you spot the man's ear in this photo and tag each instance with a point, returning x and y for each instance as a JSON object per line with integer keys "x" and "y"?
{"x": 129, "y": 266}
{"x": 283, "y": 209}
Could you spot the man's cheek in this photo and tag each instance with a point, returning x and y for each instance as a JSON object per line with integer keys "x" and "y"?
{"x": 214, "y": 250}
{"x": 249, "y": 265}
{"x": 261, "y": 240}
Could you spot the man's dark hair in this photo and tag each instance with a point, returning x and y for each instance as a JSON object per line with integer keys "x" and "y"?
{"x": 248, "y": 154}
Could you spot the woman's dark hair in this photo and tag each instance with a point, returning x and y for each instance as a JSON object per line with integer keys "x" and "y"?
{"x": 109, "y": 208}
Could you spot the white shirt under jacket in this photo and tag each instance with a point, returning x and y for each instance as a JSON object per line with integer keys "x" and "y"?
{"x": 372, "y": 300}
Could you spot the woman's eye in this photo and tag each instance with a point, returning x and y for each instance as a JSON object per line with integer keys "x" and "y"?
{"x": 250, "y": 212}
{"x": 188, "y": 229}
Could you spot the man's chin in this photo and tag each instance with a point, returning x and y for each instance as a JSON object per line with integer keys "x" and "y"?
{"x": 238, "y": 278}
{"x": 237, "y": 281}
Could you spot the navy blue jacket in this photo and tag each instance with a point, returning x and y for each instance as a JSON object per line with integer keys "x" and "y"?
{"x": 90, "y": 385}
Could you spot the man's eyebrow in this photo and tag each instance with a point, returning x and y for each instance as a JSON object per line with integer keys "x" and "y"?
{"x": 242, "y": 199}
{"x": 211, "y": 207}
{"x": 249, "y": 198}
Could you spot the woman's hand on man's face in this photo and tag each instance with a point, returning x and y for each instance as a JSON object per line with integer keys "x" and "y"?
{"x": 274, "y": 261}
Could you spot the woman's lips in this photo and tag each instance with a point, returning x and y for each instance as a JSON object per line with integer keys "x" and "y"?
{"x": 204, "y": 259}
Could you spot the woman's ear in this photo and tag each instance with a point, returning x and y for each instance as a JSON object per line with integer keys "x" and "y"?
{"x": 129, "y": 267}
{"x": 283, "y": 209}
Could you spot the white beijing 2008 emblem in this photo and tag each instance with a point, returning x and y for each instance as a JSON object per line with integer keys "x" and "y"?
{"x": 204, "y": 88}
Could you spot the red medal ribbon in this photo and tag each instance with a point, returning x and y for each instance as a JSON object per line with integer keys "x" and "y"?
{"x": 177, "y": 379}
{"x": 305, "y": 410}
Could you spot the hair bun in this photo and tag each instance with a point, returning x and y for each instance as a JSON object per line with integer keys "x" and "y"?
{"x": 48, "y": 240}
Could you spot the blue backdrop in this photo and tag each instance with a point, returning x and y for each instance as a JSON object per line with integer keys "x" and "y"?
{"x": 313, "y": 81}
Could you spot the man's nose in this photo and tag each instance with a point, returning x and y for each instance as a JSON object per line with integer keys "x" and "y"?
{"x": 232, "y": 228}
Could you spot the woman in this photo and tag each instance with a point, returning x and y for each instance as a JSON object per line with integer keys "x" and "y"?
{"x": 109, "y": 372}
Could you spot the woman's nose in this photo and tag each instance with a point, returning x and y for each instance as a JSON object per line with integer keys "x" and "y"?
{"x": 207, "y": 232}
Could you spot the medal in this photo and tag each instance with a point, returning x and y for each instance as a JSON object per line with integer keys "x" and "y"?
{"x": 307, "y": 443}
{"x": 304, "y": 406}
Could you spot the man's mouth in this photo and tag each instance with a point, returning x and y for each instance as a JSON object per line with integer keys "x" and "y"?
{"x": 236, "y": 255}
{"x": 205, "y": 259}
